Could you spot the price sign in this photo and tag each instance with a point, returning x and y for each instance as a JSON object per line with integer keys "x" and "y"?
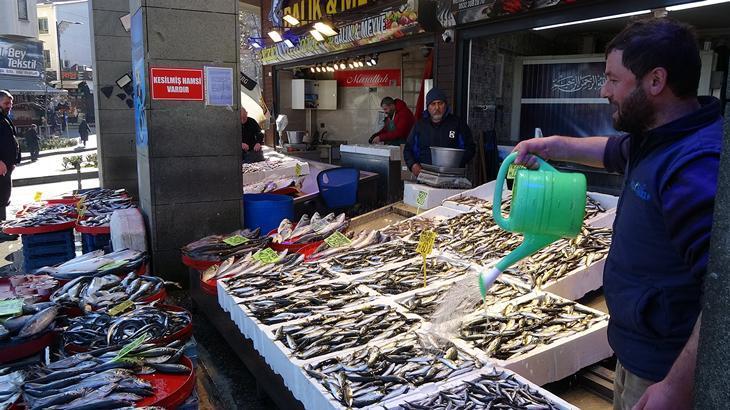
{"x": 128, "y": 348}
{"x": 121, "y": 307}
{"x": 337, "y": 240}
{"x": 81, "y": 208}
{"x": 236, "y": 240}
{"x": 298, "y": 170}
{"x": 267, "y": 256}
{"x": 512, "y": 170}
{"x": 37, "y": 196}
{"x": 11, "y": 307}
{"x": 421, "y": 198}
{"x": 425, "y": 242}
{"x": 113, "y": 265}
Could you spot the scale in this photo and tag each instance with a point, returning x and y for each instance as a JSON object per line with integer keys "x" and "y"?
{"x": 442, "y": 177}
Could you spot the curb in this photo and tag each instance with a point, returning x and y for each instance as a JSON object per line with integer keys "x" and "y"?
{"x": 49, "y": 179}
{"x": 50, "y": 153}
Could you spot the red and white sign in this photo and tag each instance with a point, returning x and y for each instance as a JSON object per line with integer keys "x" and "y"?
{"x": 368, "y": 78}
{"x": 184, "y": 84}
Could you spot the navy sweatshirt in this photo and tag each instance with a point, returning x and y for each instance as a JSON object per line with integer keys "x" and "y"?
{"x": 658, "y": 258}
{"x": 451, "y": 132}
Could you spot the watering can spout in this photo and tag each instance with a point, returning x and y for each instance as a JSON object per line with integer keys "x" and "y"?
{"x": 530, "y": 245}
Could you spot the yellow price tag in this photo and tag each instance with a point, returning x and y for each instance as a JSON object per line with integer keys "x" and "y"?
{"x": 425, "y": 242}
{"x": 37, "y": 196}
{"x": 267, "y": 255}
{"x": 421, "y": 198}
{"x": 236, "y": 240}
{"x": 81, "y": 208}
{"x": 120, "y": 308}
{"x": 298, "y": 169}
{"x": 337, "y": 240}
{"x": 512, "y": 170}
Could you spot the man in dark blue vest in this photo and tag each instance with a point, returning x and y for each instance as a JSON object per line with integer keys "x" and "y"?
{"x": 658, "y": 258}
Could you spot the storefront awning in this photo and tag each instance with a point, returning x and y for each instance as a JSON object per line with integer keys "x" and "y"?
{"x": 26, "y": 86}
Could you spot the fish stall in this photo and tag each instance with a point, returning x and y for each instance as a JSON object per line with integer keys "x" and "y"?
{"x": 358, "y": 315}
{"x": 93, "y": 329}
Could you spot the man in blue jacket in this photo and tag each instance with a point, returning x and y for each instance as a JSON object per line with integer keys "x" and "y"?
{"x": 658, "y": 258}
{"x": 438, "y": 128}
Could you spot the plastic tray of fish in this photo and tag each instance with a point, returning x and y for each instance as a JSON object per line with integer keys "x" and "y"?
{"x": 276, "y": 278}
{"x": 425, "y": 302}
{"x": 410, "y": 228}
{"x": 97, "y": 292}
{"x": 303, "y": 302}
{"x": 372, "y": 258}
{"x": 486, "y": 388}
{"x": 383, "y": 371}
{"x": 340, "y": 330}
{"x": 410, "y": 276}
{"x": 569, "y": 267}
{"x": 475, "y": 199}
{"x": 541, "y": 336}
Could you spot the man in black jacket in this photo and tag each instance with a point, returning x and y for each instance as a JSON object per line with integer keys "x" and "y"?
{"x": 9, "y": 153}
{"x": 438, "y": 128}
{"x": 251, "y": 138}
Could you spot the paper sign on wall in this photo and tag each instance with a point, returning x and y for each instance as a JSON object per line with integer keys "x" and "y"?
{"x": 183, "y": 84}
{"x": 219, "y": 86}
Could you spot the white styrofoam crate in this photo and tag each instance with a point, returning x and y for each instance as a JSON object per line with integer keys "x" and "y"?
{"x": 288, "y": 170}
{"x": 435, "y": 195}
{"x": 562, "y": 358}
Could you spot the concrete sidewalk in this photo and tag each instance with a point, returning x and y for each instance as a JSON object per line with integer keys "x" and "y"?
{"x": 49, "y": 169}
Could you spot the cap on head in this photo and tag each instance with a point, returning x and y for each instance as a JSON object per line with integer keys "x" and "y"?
{"x": 5, "y": 94}
{"x": 435, "y": 94}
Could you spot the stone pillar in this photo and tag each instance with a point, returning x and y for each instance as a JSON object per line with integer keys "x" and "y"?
{"x": 188, "y": 153}
{"x": 711, "y": 383}
{"x": 114, "y": 118}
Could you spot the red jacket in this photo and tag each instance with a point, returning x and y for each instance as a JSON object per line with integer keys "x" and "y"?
{"x": 402, "y": 122}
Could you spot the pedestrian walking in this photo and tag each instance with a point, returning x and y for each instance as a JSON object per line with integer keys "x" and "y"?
{"x": 84, "y": 131}
{"x": 32, "y": 141}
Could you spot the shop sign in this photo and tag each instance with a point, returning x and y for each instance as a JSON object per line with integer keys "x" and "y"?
{"x": 314, "y": 10}
{"x": 456, "y": 12}
{"x": 21, "y": 58}
{"x": 184, "y": 84}
{"x": 368, "y": 78}
{"x": 387, "y": 25}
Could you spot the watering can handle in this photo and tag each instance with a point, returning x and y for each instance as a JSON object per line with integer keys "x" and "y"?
{"x": 499, "y": 186}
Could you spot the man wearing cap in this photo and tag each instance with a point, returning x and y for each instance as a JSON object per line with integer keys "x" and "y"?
{"x": 398, "y": 123}
{"x": 438, "y": 128}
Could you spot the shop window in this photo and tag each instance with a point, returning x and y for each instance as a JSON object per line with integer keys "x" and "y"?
{"x": 22, "y": 9}
{"x": 43, "y": 25}
{"x": 47, "y": 57}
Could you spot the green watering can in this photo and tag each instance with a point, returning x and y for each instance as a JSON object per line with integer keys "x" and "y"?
{"x": 546, "y": 205}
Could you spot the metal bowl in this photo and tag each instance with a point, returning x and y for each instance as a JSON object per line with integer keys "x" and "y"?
{"x": 295, "y": 137}
{"x": 446, "y": 157}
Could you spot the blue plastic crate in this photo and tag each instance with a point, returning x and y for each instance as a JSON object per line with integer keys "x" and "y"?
{"x": 91, "y": 242}
{"x": 48, "y": 238}
{"x": 45, "y": 249}
{"x": 35, "y": 262}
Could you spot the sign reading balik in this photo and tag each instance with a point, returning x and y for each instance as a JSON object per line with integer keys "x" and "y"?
{"x": 185, "y": 84}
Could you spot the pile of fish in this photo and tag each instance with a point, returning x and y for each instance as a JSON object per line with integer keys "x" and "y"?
{"x": 309, "y": 229}
{"x": 494, "y": 390}
{"x": 411, "y": 228}
{"x": 373, "y": 257}
{"x": 107, "y": 205}
{"x": 96, "y": 263}
{"x": 472, "y": 202}
{"x": 273, "y": 184}
{"x": 48, "y": 215}
{"x": 11, "y": 384}
{"x": 410, "y": 276}
{"x": 360, "y": 240}
{"x": 212, "y": 248}
{"x": 34, "y": 320}
{"x": 100, "y": 292}
{"x": 98, "y": 329}
{"x": 476, "y": 236}
{"x": 378, "y": 374}
{"x": 340, "y": 330}
{"x": 593, "y": 208}
{"x": 518, "y": 329}
{"x": 97, "y": 194}
{"x": 564, "y": 256}
{"x": 259, "y": 278}
{"x": 95, "y": 380}
{"x": 305, "y": 302}
{"x": 425, "y": 303}
{"x": 99, "y": 220}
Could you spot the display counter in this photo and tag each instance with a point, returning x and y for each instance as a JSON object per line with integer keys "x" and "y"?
{"x": 384, "y": 160}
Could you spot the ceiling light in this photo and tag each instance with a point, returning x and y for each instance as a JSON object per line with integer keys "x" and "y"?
{"x": 360, "y": 64}
{"x": 350, "y": 65}
{"x": 373, "y": 61}
{"x": 615, "y": 16}
{"x": 289, "y": 43}
{"x": 325, "y": 29}
{"x": 312, "y": 69}
{"x": 335, "y": 67}
{"x": 291, "y": 20}
{"x": 342, "y": 65}
{"x": 317, "y": 35}
{"x": 330, "y": 69}
{"x": 369, "y": 64}
{"x": 695, "y": 4}
{"x": 275, "y": 35}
